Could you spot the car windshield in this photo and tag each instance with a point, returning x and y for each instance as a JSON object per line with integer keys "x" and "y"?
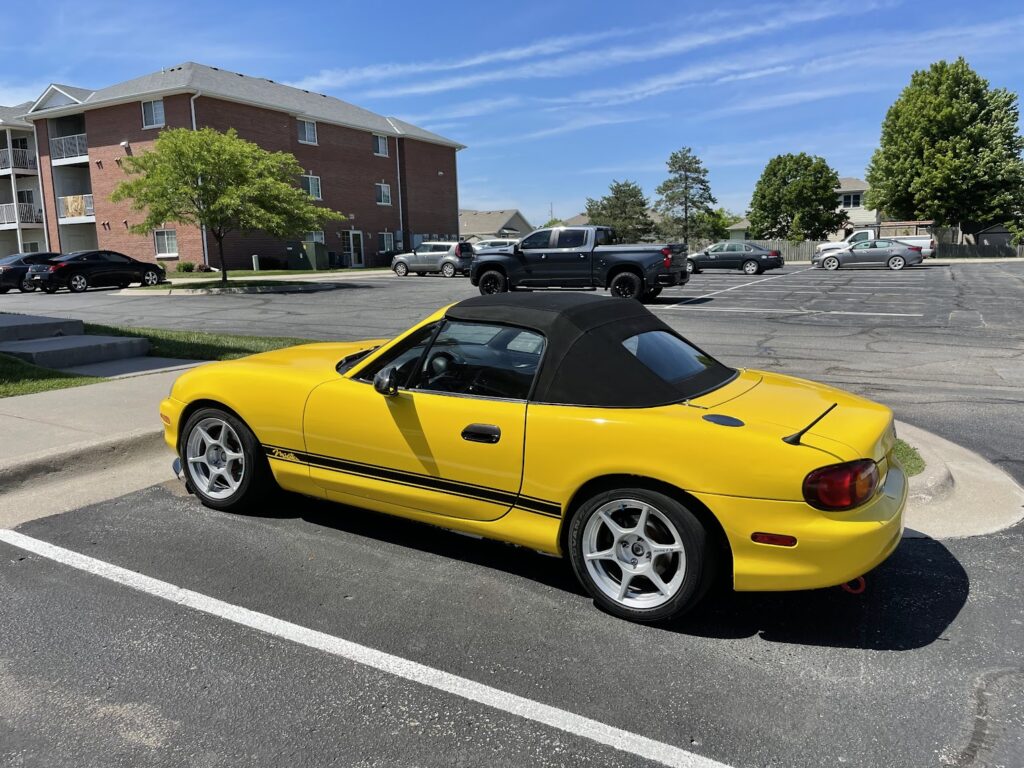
{"x": 12, "y": 259}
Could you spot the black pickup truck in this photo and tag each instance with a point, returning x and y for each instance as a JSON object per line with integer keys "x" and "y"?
{"x": 579, "y": 257}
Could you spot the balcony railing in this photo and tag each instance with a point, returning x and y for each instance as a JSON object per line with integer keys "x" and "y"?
{"x": 75, "y": 206}
{"x": 11, "y": 213}
{"x": 64, "y": 147}
{"x": 17, "y": 158}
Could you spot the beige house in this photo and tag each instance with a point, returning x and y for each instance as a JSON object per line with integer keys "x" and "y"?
{"x": 482, "y": 225}
{"x": 850, "y": 197}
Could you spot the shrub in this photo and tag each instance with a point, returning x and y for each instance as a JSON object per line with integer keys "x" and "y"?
{"x": 185, "y": 266}
{"x": 204, "y": 268}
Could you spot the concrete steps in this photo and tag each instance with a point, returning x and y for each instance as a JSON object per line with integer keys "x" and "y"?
{"x": 53, "y": 342}
{"x": 69, "y": 351}
{"x": 21, "y": 327}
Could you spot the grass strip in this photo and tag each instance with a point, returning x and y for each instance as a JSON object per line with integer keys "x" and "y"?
{"x": 198, "y": 345}
{"x": 20, "y": 378}
{"x": 909, "y": 458}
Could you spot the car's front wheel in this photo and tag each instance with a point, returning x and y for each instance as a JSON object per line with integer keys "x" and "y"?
{"x": 897, "y": 263}
{"x": 492, "y": 281}
{"x": 830, "y": 262}
{"x": 626, "y": 285}
{"x": 150, "y": 277}
{"x": 448, "y": 269}
{"x": 223, "y": 461}
{"x": 641, "y": 555}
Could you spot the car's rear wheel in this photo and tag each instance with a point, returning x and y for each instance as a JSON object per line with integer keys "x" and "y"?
{"x": 751, "y": 267}
{"x": 641, "y": 555}
{"x": 897, "y": 263}
{"x": 401, "y": 269}
{"x": 626, "y": 285}
{"x": 223, "y": 461}
{"x": 150, "y": 277}
{"x": 830, "y": 262}
{"x": 492, "y": 281}
{"x": 448, "y": 269}
{"x": 691, "y": 267}
{"x": 78, "y": 283}
{"x": 26, "y": 286}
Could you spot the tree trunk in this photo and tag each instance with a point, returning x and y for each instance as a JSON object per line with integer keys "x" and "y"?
{"x": 220, "y": 256}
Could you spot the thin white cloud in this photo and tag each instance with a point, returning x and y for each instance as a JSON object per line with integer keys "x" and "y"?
{"x": 474, "y": 108}
{"x": 794, "y": 98}
{"x": 570, "y": 126}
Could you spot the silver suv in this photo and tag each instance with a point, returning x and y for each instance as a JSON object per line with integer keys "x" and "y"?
{"x": 447, "y": 258}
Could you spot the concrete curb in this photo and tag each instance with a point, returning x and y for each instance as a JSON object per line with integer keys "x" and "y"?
{"x": 79, "y": 457}
{"x": 960, "y": 493}
{"x": 283, "y": 288}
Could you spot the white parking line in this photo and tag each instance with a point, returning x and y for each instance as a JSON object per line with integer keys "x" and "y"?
{"x": 742, "y": 285}
{"x": 624, "y": 741}
{"x": 789, "y": 311}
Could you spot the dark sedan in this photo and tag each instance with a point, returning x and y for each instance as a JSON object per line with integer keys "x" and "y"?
{"x": 735, "y": 254}
{"x": 91, "y": 269}
{"x": 14, "y": 270}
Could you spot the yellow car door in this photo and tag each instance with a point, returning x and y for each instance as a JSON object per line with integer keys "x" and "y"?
{"x": 448, "y": 441}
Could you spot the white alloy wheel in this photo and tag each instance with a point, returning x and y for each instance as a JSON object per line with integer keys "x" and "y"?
{"x": 401, "y": 269}
{"x": 897, "y": 263}
{"x": 150, "y": 277}
{"x": 830, "y": 262}
{"x": 750, "y": 267}
{"x": 448, "y": 269}
{"x": 215, "y": 458}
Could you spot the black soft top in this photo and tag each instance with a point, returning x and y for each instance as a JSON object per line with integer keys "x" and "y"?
{"x": 585, "y": 362}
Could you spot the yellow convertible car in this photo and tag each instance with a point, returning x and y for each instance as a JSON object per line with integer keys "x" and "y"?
{"x": 571, "y": 424}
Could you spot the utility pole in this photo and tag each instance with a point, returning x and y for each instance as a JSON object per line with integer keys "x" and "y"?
{"x": 551, "y": 211}
{"x": 686, "y": 210}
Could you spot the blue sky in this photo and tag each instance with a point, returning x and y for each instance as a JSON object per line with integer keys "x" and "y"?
{"x": 556, "y": 99}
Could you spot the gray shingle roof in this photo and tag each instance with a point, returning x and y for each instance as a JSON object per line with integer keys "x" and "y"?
{"x": 742, "y": 224}
{"x": 79, "y": 94}
{"x": 11, "y": 116}
{"x": 488, "y": 222}
{"x": 851, "y": 184}
{"x": 216, "y": 82}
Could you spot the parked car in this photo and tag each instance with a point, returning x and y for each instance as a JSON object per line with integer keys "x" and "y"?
{"x": 561, "y": 423}
{"x": 484, "y": 245}
{"x": 892, "y": 253}
{"x": 14, "y": 270}
{"x": 80, "y": 270}
{"x": 734, "y": 254}
{"x": 447, "y": 258}
{"x": 925, "y": 242}
{"x": 580, "y": 257}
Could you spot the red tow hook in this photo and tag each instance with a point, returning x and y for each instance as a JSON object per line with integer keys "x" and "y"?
{"x": 856, "y": 586}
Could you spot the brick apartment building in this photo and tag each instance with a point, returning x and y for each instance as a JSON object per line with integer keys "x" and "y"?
{"x": 395, "y": 183}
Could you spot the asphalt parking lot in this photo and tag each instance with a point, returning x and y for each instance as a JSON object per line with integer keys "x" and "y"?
{"x": 925, "y": 668}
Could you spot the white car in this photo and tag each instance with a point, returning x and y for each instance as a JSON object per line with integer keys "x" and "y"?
{"x": 502, "y": 242}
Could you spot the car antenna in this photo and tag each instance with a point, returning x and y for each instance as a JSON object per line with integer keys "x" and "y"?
{"x": 794, "y": 439}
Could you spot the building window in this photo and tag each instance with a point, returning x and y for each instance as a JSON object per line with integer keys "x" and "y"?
{"x": 153, "y": 114}
{"x": 380, "y": 145}
{"x": 166, "y": 242}
{"x": 26, "y": 196}
{"x": 312, "y": 186}
{"x": 31, "y": 247}
{"x": 385, "y": 242}
{"x": 383, "y": 194}
{"x": 307, "y": 132}
{"x": 314, "y": 237}
{"x": 851, "y": 201}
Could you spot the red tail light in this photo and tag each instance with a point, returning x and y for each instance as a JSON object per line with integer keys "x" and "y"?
{"x": 914, "y": 248}
{"x": 667, "y": 260}
{"x": 841, "y": 486}
{"x": 458, "y": 251}
{"x": 55, "y": 267}
{"x": 776, "y": 254}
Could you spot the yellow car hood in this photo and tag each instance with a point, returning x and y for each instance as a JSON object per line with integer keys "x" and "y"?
{"x": 318, "y": 357}
{"x": 854, "y": 428}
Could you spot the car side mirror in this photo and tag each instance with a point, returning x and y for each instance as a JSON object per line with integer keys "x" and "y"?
{"x": 386, "y": 381}
{"x": 414, "y": 252}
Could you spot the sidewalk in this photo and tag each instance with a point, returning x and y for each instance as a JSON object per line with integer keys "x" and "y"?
{"x": 108, "y": 438}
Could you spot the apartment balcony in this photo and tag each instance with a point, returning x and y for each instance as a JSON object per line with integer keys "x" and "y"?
{"x": 18, "y": 160}
{"x": 75, "y": 208}
{"x": 69, "y": 149}
{"x": 12, "y": 213}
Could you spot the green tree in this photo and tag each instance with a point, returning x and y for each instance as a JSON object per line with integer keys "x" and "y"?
{"x": 795, "y": 199}
{"x": 221, "y": 182}
{"x": 950, "y": 150}
{"x": 553, "y": 223}
{"x": 624, "y": 209}
{"x": 686, "y": 194}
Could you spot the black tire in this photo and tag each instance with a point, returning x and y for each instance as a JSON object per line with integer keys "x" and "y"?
{"x": 626, "y": 285}
{"x": 751, "y": 267}
{"x": 691, "y": 267}
{"x": 697, "y": 562}
{"x": 78, "y": 283}
{"x": 652, "y": 294}
{"x": 50, "y": 288}
{"x": 448, "y": 269}
{"x": 401, "y": 269}
{"x": 256, "y": 485}
{"x": 896, "y": 263}
{"x": 26, "y": 286}
{"x": 493, "y": 281}
{"x": 830, "y": 263}
{"x": 150, "y": 277}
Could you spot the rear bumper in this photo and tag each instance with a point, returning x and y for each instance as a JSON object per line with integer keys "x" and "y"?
{"x": 831, "y": 549}
{"x": 675, "y": 277}
{"x": 46, "y": 278}
{"x": 773, "y": 262}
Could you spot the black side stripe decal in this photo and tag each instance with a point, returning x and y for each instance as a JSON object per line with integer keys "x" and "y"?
{"x": 466, "y": 490}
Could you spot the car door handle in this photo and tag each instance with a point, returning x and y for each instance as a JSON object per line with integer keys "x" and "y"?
{"x": 543, "y": 255}
{"x": 482, "y": 433}
{"x": 583, "y": 255}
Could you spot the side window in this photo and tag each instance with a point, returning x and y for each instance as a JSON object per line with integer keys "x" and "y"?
{"x": 858, "y": 237}
{"x": 603, "y": 237}
{"x": 481, "y": 360}
{"x": 541, "y": 239}
{"x": 882, "y": 244}
{"x": 406, "y": 356}
{"x": 734, "y": 248}
{"x": 117, "y": 258}
{"x": 748, "y": 249}
{"x": 717, "y": 248}
{"x": 861, "y": 246}
{"x": 571, "y": 238}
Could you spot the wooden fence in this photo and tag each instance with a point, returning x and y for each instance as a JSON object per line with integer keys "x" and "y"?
{"x": 953, "y": 251}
